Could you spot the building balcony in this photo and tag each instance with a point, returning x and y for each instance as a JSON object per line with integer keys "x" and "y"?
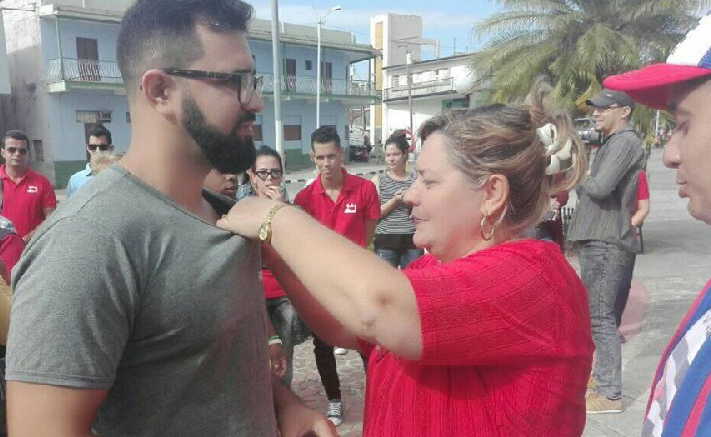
{"x": 356, "y": 91}
{"x": 66, "y": 74}
{"x": 421, "y": 89}
{"x": 105, "y": 75}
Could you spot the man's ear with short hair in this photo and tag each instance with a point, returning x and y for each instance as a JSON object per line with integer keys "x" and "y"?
{"x": 161, "y": 92}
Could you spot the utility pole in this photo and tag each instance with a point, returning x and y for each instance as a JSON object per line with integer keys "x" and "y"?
{"x": 277, "y": 68}
{"x": 408, "y": 61}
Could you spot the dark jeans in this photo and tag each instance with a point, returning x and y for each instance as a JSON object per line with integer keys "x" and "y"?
{"x": 399, "y": 257}
{"x": 326, "y": 365}
{"x": 606, "y": 270}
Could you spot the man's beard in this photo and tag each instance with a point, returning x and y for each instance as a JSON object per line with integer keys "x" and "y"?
{"x": 227, "y": 153}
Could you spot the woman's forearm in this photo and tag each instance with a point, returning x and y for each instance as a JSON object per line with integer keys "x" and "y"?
{"x": 388, "y": 207}
{"x": 313, "y": 313}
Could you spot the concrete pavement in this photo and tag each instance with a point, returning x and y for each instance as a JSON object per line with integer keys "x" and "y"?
{"x": 674, "y": 267}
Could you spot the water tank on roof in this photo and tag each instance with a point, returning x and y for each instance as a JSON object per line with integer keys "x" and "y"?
{"x": 463, "y": 79}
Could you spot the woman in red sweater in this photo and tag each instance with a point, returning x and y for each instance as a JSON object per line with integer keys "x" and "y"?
{"x": 488, "y": 334}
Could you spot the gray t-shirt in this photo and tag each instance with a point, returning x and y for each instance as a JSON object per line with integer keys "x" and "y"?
{"x": 122, "y": 289}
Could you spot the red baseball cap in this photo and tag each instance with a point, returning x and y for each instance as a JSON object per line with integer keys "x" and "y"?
{"x": 651, "y": 86}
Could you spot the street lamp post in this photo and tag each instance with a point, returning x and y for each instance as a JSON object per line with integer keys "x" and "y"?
{"x": 277, "y": 66}
{"x": 408, "y": 61}
{"x": 321, "y": 20}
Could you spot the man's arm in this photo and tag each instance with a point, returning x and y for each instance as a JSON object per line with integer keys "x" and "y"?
{"x": 617, "y": 162}
{"x": 294, "y": 418}
{"x": 370, "y": 230}
{"x": 45, "y": 410}
{"x": 641, "y": 214}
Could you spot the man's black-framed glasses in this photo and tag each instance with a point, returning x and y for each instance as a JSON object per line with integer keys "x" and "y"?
{"x": 275, "y": 173}
{"x": 247, "y": 83}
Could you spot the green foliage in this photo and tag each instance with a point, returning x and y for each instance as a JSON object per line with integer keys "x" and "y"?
{"x": 577, "y": 43}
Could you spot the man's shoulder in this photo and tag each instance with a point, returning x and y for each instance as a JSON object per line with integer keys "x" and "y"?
{"x": 38, "y": 178}
{"x": 626, "y": 138}
{"x": 80, "y": 174}
{"x": 360, "y": 182}
{"x": 306, "y": 193}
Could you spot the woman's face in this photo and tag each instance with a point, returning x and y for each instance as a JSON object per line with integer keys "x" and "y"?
{"x": 267, "y": 173}
{"x": 446, "y": 205}
{"x": 394, "y": 157}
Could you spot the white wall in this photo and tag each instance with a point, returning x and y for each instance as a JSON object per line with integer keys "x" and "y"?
{"x": 397, "y": 115}
{"x": 29, "y": 107}
{"x": 4, "y": 70}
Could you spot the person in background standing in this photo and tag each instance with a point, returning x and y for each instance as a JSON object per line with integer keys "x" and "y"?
{"x": 349, "y": 205}
{"x": 393, "y": 235}
{"x": 100, "y": 145}
{"x": 28, "y": 197}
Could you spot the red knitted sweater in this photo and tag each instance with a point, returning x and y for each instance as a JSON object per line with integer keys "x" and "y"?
{"x": 506, "y": 350}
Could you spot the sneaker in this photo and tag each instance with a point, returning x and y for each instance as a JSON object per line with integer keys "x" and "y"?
{"x": 335, "y": 411}
{"x": 599, "y": 404}
{"x": 340, "y": 351}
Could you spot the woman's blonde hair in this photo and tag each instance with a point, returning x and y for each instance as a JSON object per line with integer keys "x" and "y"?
{"x": 505, "y": 140}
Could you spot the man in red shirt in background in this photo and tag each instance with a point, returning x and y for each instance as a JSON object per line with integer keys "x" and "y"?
{"x": 349, "y": 205}
{"x": 28, "y": 197}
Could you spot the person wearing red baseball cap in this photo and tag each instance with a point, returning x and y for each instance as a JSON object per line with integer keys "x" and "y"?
{"x": 679, "y": 403}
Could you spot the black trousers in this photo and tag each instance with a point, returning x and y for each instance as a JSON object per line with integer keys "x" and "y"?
{"x": 326, "y": 365}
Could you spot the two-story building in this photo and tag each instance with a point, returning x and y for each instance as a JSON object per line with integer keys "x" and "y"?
{"x": 434, "y": 85}
{"x": 65, "y": 79}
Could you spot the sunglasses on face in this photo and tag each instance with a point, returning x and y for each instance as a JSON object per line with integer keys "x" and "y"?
{"x": 102, "y": 147}
{"x": 13, "y": 150}
{"x": 275, "y": 173}
{"x": 247, "y": 83}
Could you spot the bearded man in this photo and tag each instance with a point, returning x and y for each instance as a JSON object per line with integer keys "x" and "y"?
{"x": 133, "y": 313}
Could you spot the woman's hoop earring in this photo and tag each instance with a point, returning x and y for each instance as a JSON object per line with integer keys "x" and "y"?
{"x": 487, "y": 236}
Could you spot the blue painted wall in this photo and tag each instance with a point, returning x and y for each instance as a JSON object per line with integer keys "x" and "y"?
{"x": 66, "y": 135}
{"x": 104, "y": 33}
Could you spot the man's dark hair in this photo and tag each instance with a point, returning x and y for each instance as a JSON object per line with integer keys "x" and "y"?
{"x": 325, "y": 134}
{"x": 16, "y": 134}
{"x": 268, "y": 151}
{"x": 100, "y": 131}
{"x": 161, "y": 33}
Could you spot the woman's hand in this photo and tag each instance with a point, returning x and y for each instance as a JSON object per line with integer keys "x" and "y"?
{"x": 399, "y": 196}
{"x": 274, "y": 192}
{"x": 246, "y": 216}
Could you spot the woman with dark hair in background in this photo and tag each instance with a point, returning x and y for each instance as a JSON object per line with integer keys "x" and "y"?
{"x": 393, "y": 235}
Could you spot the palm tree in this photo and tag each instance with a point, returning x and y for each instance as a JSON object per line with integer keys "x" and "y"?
{"x": 577, "y": 43}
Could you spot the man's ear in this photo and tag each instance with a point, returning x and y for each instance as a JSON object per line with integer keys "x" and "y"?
{"x": 161, "y": 92}
{"x": 628, "y": 113}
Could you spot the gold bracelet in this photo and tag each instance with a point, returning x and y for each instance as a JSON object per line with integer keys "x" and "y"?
{"x": 265, "y": 229}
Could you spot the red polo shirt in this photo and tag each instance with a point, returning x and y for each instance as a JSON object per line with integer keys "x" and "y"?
{"x": 357, "y": 203}
{"x": 24, "y": 202}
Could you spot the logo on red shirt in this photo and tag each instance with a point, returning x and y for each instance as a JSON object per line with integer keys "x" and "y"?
{"x": 32, "y": 189}
{"x": 350, "y": 208}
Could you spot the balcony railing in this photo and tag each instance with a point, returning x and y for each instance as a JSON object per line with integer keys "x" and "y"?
{"x": 329, "y": 87}
{"x": 420, "y": 89}
{"x": 107, "y": 72}
{"x": 83, "y": 70}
